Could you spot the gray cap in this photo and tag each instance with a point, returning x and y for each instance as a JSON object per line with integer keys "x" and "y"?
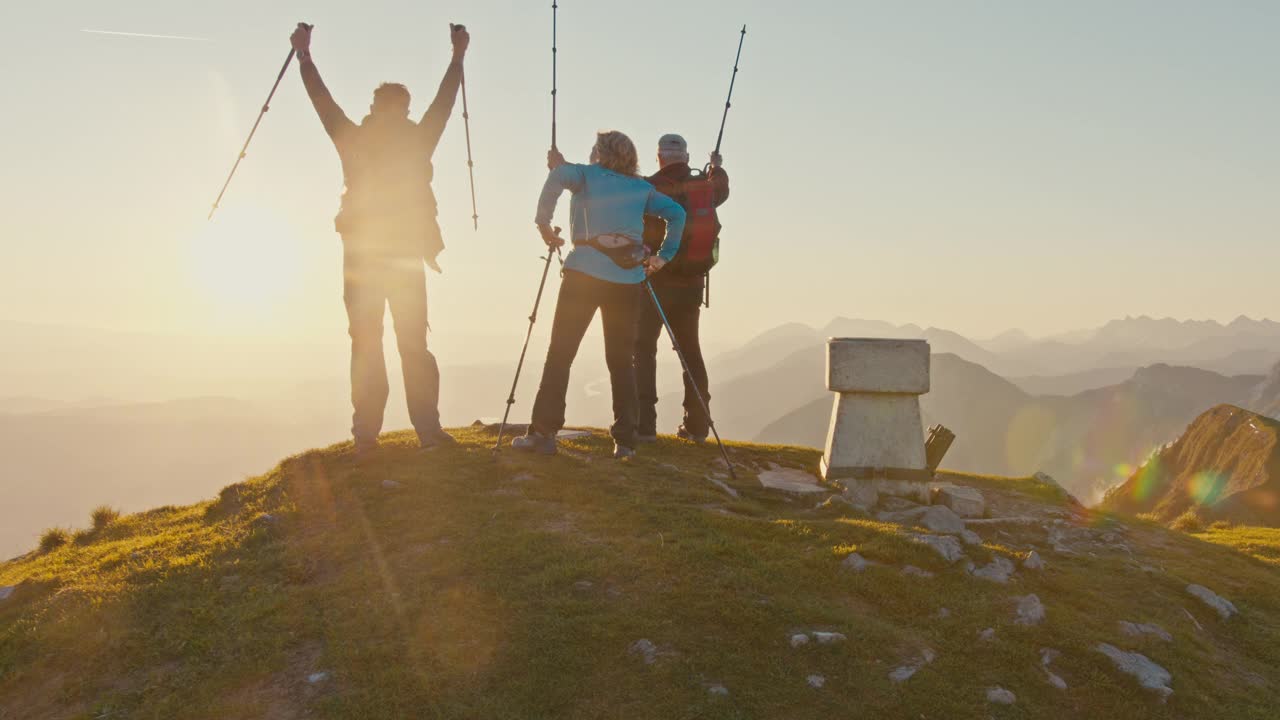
{"x": 674, "y": 147}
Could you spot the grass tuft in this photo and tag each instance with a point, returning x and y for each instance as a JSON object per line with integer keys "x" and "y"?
{"x": 54, "y": 538}
{"x": 104, "y": 515}
{"x": 1188, "y": 522}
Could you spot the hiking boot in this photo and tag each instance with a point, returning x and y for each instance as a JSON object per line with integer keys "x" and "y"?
{"x": 643, "y": 439}
{"x": 436, "y": 439}
{"x": 684, "y": 434}
{"x": 622, "y": 452}
{"x": 535, "y": 442}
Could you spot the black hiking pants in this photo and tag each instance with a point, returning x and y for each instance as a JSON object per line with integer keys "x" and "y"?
{"x": 683, "y": 307}
{"x": 580, "y": 296}
{"x": 370, "y": 284}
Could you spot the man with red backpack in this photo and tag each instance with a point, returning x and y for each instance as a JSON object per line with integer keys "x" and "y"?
{"x": 679, "y": 286}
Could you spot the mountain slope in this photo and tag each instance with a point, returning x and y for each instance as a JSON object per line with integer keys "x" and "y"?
{"x": 454, "y": 585}
{"x": 1226, "y": 466}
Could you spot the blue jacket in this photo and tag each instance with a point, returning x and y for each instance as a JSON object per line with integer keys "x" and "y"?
{"x": 608, "y": 203}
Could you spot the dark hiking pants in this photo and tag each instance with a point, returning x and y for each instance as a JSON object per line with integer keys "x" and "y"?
{"x": 683, "y": 308}
{"x": 370, "y": 285}
{"x": 580, "y": 296}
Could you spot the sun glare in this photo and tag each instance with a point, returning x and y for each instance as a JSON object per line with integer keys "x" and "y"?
{"x": 245, "y": 257}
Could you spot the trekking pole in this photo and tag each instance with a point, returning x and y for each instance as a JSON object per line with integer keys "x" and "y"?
{"x": 555, "y": 9}
{"x": 265, "y": 107}
{"x": 466, "y": 123}
{"x": 728, "y": 101}
{"x": 684, "y": 364}
{"x": 533, "y": 318}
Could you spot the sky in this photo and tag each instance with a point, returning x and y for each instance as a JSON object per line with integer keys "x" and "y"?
{"x": 973, "y": 166}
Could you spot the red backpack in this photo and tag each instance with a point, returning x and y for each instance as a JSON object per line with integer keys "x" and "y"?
{"x": 700, "y": 244}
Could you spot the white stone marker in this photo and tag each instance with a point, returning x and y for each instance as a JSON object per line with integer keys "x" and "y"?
{"x": 876, "y": 432}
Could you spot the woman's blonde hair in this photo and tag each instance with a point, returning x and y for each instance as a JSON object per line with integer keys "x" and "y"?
{"x": 616, "y": 152}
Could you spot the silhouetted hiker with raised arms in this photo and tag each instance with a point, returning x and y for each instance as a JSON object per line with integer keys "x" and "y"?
{"x": 679, "y": 288}
{"x": 603, "y": 272}
{"x": 388, "y": 228}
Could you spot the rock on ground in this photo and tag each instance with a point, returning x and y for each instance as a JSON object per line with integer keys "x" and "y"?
{"x": 1030, "y": 610}
{"x": 941, "y": 519}
{"x": 964, "y": 501}
{"x": 317, "y": 677}
{"x": 1000, "y": 696}
{"x": 790, "y": 480}
{"x": 1033, "y": 561}
{"x": 998, "y": 570}
{"x": 1149, "y": 675}
{"x": 829, "y": 638}
{"x": 799, "y": 639}
{"x": 945, "y": 545}
{"x": 855, "y": 563}
{"x": 914, "y": 571}
{"x": 816, "y": 681}
{"x": 971, "y": 538}
{"x": 391, "y": 484}
{"x": 1224, "y": 606}
{"x": 861, "y": 495}
{"x": 903, "y": 673}
{"x": 718, "y": 690}
{"x": 988, "y": 635}
{"x": 1138, "y": 630}
{"x": 6, "y": 591}
{"x": 645, "y": 649}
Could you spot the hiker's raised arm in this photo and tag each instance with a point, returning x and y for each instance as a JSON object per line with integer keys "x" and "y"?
{"x": 335, "y": 122}
{"x": 660, "y": 205}
{"x": 437, "y": 115}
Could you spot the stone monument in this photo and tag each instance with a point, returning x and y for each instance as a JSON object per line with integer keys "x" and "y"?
{"x": 876, "y": 433}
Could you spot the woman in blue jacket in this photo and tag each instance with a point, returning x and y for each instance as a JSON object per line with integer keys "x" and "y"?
{"x": 604, "y": 271}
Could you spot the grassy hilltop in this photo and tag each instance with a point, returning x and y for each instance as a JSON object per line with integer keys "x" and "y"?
{"x": 455, "y": 585}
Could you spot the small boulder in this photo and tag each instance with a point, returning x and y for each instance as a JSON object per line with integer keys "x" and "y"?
{"x": 971, "y": 538}
{"x": 893, "y": 503}
{"x": 945, "y": 545}
{"x": 1000, "y": 569}
{"x": 903, "y": 673}
{"x": 391, "y": 485}
{"x": 855, "y": 563}
{"x": 1149, "y": 675}
{"x": 862, "y": 496}
{"x": 1140, "y": 629}
{"x": 829, "y": 638}
{"x": 902, "y": 517}
{"x": 988, "y": 635}
{"x": 1000, "y": 696}
{"x": 964, "y": 501}
{"x": 816, "y": 681}
{"x": 7, "y": 591}
{"x": 583, "y": 585}
{"x": 941, "y": 519}
{"x": 942, "y": 614}
{"x": 718, "y": 690}
{"x": 1029, "y": 611}
{"x": 645, "y": 649}
{"x": 1033, "y": 561}
{"x": 799, "y": 639}
{"x": 1224, "y": 606}
{"x": 1048, "y": 655}
{"x": 316, "y": 678}
{"x": 913, "y": 571}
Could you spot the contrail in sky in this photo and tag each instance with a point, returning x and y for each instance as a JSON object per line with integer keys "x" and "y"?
{"x": 145, "y": 35}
